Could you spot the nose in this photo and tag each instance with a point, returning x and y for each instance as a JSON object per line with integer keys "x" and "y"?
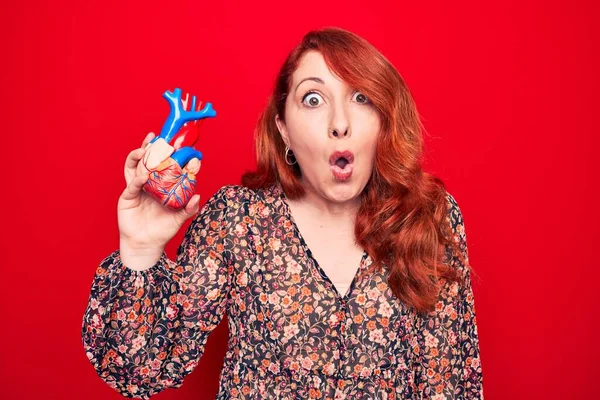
{"x": 339, "y": 126}
{"x": 335, "y": 133}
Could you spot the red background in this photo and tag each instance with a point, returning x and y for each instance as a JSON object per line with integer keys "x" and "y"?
{"x": 508, "y": 91}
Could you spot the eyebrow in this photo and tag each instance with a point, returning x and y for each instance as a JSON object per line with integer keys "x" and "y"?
{"x": 312, "y": 78}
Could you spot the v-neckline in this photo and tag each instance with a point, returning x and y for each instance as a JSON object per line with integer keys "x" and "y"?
{"x": 309, "y": 253}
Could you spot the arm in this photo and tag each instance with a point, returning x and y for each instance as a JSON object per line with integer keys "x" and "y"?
{"x": 451, "y": 367}
{"x": 144, "y": 331}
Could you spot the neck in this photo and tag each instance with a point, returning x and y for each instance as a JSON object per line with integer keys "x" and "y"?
{"x": 329, "y": 210}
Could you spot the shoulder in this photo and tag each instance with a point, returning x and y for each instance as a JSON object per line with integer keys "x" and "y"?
{"x": 454, "y": 219}
{"x": 454, "y": 215}
{"x": 227, "y": 206}
{"x": 243, "y": 194}
{"x": 235, "y": 194}
{"x": 235, "y": 199}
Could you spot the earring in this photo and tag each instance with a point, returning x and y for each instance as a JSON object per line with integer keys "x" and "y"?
{"x": 287, "y": 155}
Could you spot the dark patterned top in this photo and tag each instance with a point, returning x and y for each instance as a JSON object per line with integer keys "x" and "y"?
{"x": 292, "y": 335}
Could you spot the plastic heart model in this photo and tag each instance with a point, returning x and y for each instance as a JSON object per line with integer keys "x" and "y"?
{"x": 171, "y": 161}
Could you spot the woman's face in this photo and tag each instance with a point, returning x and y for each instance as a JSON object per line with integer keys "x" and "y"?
{"x": 332, "y": 130}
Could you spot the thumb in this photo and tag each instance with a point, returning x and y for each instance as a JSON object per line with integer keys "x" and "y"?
{"x": 191, "y": 208}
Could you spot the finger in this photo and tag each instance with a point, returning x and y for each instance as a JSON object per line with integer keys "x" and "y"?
{"x": 134, "y": 157}
{"x": 147, "y": 139}
{"x": 193, "y": 166}
{"x": 131, "y": 163}
{"x": 132, "y": 191}
{"x": 191, "y": 207}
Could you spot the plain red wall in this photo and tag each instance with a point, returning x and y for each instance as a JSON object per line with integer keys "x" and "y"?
{"x": 508, "y": 91}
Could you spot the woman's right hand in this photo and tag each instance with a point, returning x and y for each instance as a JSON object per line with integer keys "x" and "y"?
{"x": 145, "y": 226}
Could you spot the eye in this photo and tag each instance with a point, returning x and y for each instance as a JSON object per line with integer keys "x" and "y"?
{"x": 360, "y": 98}
{"x": 312, "y": 99}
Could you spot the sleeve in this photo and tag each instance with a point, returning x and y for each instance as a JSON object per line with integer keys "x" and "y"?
{"x": 451, "y": 367}
{"x": 144, "y": 331}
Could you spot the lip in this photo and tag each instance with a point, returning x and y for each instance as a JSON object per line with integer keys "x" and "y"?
{"x": 338, "y": 173}
{"x": 347, "y": 154}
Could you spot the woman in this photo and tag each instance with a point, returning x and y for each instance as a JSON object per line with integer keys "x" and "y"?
{"x": 341, "y": 265}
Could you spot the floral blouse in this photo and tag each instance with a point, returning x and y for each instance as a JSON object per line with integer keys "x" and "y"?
{"x": 291, "y": 334}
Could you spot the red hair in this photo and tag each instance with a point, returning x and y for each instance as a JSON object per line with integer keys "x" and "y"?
{"x": 402, "y": 219}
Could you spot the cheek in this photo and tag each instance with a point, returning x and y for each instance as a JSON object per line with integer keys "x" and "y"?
{"x": 307, "y": 137}
{"x": 308, "y": 151}
{"x": 370, "y": 130}
{"x": 368, "y": 145}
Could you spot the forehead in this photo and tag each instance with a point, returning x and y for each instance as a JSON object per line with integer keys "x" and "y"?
{"x": 312, "y": 64}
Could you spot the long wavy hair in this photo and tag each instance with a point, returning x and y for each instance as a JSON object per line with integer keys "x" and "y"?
{"x": 401, "y": 222}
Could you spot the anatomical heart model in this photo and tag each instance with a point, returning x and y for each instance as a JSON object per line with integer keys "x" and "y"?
{"x": 170, "y": 159}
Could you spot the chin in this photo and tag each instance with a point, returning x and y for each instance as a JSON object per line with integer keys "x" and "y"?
{"x": 342, "y": 192}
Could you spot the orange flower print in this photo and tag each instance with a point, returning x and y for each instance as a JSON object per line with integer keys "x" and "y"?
{"x": 361, "y": 299}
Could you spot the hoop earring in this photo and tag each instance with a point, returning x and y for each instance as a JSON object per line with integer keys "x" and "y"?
{"x": 287, "y": 155}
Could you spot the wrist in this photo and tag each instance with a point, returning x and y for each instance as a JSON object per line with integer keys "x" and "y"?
{"x": 139, "y": 258}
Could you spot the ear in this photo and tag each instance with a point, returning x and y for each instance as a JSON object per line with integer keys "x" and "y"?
{"x": 282, "y": 130}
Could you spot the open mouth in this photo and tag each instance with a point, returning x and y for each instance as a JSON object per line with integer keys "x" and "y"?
{"x": 341, "y": 164}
